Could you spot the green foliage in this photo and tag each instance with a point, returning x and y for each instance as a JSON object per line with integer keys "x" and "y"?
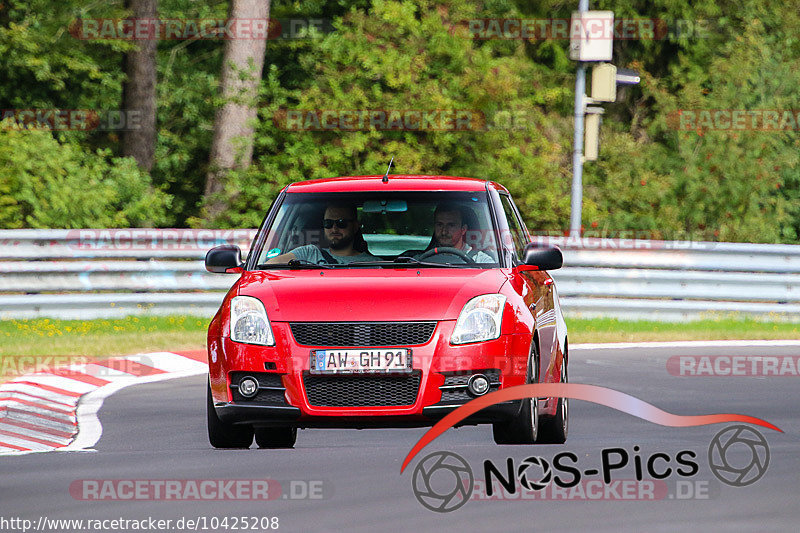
{"x": 728, "y": 184}
{"x": 47, "y": 184}
{"x": 45, "y": 66}
{"x": 188, "y": 74}
{"x": 414, "y": 55}
{"x": 402, "y": 56}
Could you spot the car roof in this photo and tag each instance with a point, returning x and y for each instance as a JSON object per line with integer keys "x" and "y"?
{"x": 397, "y": 182}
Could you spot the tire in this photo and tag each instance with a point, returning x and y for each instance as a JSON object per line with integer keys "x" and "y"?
{"x": 554, "y": 429}
{"x": 222, "y": 435}
{"x": 278, "y": 437}
{"x": 523, "y": 428}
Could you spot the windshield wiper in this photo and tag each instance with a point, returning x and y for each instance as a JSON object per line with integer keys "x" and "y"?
{"x": 409, "y": 259}
{"x": 399, "y": 260}
{"x": 302, "y": 263}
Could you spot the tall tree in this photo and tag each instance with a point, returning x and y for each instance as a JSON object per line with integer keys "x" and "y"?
{"x": 139, "y": 90}
{"x": 243, "y": 62}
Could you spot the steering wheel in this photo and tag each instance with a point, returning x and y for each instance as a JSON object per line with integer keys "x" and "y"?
{"x": 447, "y": 250}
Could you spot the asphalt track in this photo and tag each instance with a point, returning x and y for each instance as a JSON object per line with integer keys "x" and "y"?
{"x": 157, "y": 431}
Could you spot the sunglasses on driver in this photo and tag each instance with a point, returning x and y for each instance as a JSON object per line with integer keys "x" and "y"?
{"x": 341, "y": 223}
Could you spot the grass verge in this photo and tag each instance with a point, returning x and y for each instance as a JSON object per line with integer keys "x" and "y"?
{"x": 133, "y": 334}
{"x": 613, "y": 330}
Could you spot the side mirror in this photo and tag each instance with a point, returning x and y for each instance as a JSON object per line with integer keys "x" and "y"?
{"x": 543, "y": 258}
{"x": 221, "y": 259}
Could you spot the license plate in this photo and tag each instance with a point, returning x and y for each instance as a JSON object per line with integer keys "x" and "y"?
{"x": 364, "y": 360}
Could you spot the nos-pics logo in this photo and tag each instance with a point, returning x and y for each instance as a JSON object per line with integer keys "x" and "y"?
{"x": 443, "y": 481}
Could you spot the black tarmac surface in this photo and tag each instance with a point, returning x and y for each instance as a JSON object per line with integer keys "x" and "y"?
{"x": 157, "y": 431}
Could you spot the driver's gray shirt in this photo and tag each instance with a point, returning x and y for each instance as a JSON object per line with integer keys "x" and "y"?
{"x": 311, "y": 253}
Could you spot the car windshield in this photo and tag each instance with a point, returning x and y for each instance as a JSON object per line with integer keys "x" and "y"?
{"x": 380, "y": 229}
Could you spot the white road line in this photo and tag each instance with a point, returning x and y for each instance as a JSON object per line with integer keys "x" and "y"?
{"x": 170, "y": 362}
{"x": 683, "y": 344}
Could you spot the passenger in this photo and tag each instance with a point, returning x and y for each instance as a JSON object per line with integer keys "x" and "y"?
{"x": 450, "y": 229}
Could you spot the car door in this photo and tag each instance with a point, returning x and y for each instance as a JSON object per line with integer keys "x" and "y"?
{"x": 537, "y": 291}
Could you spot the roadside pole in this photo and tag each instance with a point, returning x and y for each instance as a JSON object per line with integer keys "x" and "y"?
{"x": 577, "y": 144}
{"x": 591, "y": 41}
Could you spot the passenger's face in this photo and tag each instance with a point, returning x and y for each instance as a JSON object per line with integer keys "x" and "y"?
{"x": 339, "y": 238}
{"x": 448, "y": 229}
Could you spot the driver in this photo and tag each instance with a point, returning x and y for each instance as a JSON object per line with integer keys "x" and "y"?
{"x": 449, "y": 229}
{"x": 347, "y": 245}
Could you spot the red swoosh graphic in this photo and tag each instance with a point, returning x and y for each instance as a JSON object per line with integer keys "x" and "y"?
{"x": 590, "y": 393}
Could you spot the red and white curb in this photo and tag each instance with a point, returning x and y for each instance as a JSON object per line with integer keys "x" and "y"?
{"x": 57, "y": 409}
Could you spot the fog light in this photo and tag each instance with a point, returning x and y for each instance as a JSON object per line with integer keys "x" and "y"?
{"x": 478, "y": 385}
{"x": 248, "y": 386}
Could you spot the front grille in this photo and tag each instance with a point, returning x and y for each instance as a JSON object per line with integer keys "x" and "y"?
{"x": 361, "y": 390}
{"x": 273, "y": 392}
{"x": 362, "y": 333}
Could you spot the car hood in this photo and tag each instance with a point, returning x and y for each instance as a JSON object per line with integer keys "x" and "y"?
{"x": 362, "y": 295}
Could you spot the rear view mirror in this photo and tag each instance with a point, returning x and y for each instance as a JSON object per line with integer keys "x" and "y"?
{"x": 221, "y": 259}
{"x": 384, "y": 206}
{"x": 543, "y": 258}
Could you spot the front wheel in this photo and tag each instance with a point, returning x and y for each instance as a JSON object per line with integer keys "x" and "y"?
{"x": 222, "y": 435}
{"x": 523, "y": 428}
{"x": 554, "y": 429}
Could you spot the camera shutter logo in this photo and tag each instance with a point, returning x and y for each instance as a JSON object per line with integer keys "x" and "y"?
{"x": 530, "y": 482}
{"x": 725, "y": 450}
{"x": 443, "y": 482}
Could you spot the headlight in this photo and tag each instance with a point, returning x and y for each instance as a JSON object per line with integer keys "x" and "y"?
{"x": 249, "y": 322}
{"x": 480, "y": 319}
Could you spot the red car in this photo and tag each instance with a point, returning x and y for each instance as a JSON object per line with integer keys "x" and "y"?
{"x": 385, "y": 302}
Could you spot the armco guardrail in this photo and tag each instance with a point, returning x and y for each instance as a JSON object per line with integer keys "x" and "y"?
{"x": 88, "y": 273}
{"x": 104, "y": 273}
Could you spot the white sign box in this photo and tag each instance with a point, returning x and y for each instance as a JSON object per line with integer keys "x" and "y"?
{"x": 591, "y": 35}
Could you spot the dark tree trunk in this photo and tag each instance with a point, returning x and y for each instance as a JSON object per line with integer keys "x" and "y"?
{"x": 232, "y": 146}
{"x": 139, "y": 91}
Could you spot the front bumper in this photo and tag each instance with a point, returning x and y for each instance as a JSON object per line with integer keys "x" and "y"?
{"x": 273, "y": 415}
{"x": 432, "y": 363}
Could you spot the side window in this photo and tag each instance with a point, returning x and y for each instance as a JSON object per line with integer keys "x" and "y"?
{"x": 515, "y": 225}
